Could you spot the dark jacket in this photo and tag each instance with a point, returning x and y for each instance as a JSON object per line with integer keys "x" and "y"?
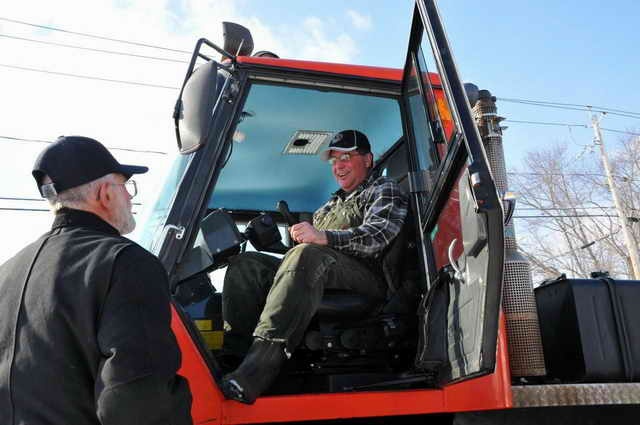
{"x": 85, "y": 333}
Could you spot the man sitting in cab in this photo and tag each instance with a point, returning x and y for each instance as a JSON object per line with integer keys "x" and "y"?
{"x": 268, "y": 303}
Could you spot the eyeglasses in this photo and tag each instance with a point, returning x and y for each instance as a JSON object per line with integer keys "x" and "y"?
{"x": 345, "y": 157}
{"x": 130, "y": 186}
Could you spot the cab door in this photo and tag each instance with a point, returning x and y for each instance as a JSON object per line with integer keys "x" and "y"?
{"x": 458, "y": 210}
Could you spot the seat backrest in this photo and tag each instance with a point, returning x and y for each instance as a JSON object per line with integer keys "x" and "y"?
{"x": 399, "y": 261}
{"x": 392, "y": 259}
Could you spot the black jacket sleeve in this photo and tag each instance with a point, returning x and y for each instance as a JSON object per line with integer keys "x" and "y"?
{"x": 137, "y": 381}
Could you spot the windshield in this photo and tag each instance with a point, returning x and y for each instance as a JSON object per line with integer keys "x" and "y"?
{"x": 275, "y": 146}
{"x": 156, "y": 216}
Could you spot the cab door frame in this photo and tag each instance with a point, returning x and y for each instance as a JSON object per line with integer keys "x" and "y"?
{"x": 480, "y": 209}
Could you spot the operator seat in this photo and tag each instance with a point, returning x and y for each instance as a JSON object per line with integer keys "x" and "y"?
{"x": 341, "y": 304}
{"x": 348, "y": 323}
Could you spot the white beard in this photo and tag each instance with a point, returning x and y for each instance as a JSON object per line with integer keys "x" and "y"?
{"x": 126, "y": 223}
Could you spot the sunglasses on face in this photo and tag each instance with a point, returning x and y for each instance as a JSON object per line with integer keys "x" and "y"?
{"x": 345, "y": 157}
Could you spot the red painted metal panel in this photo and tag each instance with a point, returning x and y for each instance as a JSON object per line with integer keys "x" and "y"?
{"x": 485, "y": 393}
{"x": 489, "y": 392}
{"x": 207, "y": 398}
{"x": 448, "y": 229}
{"x": 333, "y": 68}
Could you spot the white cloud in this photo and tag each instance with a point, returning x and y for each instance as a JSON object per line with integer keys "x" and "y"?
{"x": 361, "y": 22}
{"x": 315, "y": 44}
{"x": 43, "y": 106}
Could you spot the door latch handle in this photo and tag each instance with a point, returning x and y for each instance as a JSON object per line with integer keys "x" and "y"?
{"x": 159, "y": 239}
{"x": 509, "y": 206}
{"x": 458, "y": 273}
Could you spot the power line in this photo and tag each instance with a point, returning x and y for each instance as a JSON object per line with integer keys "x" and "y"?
{"x": 19, "y": 139}
{"x": 12, "y": 198}
{"x": 542, "y": 104}
{"x": 567, "y": 216}
{"x": 24, "y": 209}
{"x": 37, "y": 209}
{"x": 564, "y": 124}
{"x": 620, "y": 131}
{"x": 99, "y": 37}
{"x": 88, "y": 77}
{"x": 620, "y": 115}
{"x": 523, "y": 173}
{"x": 571, "y": 106}
{"x": 568, "y": 104}
{"x": 72, "y": 46}
{"x": 561, "y": 124}
{"x": 562, "y": 208}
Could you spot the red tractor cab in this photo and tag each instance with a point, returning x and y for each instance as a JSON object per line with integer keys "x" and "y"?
{"x": 248, "y": 130}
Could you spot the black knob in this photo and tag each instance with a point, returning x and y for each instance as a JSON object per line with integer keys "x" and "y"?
{"x": 283, "y": 208}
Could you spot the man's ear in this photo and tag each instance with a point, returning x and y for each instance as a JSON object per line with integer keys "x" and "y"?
{"x": 104, "y": 195}
{"x": 369, "y": 162}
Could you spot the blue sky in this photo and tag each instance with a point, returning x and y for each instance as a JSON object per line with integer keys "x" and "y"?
{"x": 575, "y": 52}
{"x": 582, "y": 52}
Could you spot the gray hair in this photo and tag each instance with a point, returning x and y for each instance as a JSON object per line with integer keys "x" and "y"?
{"x": 78, "y": 196}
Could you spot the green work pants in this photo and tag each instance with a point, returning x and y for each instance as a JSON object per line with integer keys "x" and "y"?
{"x": 275, "y": 299}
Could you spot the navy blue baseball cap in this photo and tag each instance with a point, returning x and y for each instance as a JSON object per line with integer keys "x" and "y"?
{"x": 72, "y": 161}
{"x": 347, "y": 141}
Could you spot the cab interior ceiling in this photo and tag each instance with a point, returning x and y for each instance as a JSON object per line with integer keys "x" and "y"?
{"x": 259, "y": 172}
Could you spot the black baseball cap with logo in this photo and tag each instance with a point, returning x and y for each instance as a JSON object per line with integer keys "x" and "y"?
{"x": 72, "y": 161}
{"x": 346, "y": 141}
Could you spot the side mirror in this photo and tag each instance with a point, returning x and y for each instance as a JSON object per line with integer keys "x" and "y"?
{"x": 237, "y": 39}
{"x": 194, "y": 108}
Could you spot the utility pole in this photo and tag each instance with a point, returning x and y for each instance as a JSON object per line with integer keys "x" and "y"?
{"x": 622, "y": 215}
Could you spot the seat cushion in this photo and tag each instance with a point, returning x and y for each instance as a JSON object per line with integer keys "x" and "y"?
{"x": 338, "y": 305}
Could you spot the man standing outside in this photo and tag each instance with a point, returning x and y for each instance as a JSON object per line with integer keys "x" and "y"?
{"x": 268, "y": 303}
{"x": 85, "y": 336}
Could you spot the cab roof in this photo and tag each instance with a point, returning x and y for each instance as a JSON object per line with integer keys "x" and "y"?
{"x": 389, "y": 74}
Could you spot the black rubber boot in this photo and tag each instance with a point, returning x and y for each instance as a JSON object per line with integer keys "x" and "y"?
{"x": 256, "y": 373}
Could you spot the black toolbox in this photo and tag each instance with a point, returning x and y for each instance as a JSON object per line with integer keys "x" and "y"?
{"x": 590, "y": 329}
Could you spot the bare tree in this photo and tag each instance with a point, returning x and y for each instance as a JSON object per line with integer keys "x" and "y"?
{"x": 566, "y": 220}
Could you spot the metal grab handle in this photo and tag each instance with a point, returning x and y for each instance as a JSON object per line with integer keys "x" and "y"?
{"x": 509, "y": 205}
{"x": 458, "y": 273}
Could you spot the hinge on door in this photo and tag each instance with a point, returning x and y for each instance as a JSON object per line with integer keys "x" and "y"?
{"x": 179, "y": 230}
{"x": 479, "y": 188}
{"x": 420, "y": 181}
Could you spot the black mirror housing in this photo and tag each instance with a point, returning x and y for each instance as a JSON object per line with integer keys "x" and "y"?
{"x": 194, "y": 108}
{"x": 237, "y": 39}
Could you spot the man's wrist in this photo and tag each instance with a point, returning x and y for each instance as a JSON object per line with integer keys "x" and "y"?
{"x": 332, "y": 238}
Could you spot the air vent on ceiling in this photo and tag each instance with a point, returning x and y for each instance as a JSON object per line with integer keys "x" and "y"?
{"x": 306, "y": 142}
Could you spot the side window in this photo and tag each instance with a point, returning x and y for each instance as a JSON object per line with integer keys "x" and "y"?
{"x": 439, "y": 110}
{"x": 427, "y": 157}
{"x": 430, "y": 111}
